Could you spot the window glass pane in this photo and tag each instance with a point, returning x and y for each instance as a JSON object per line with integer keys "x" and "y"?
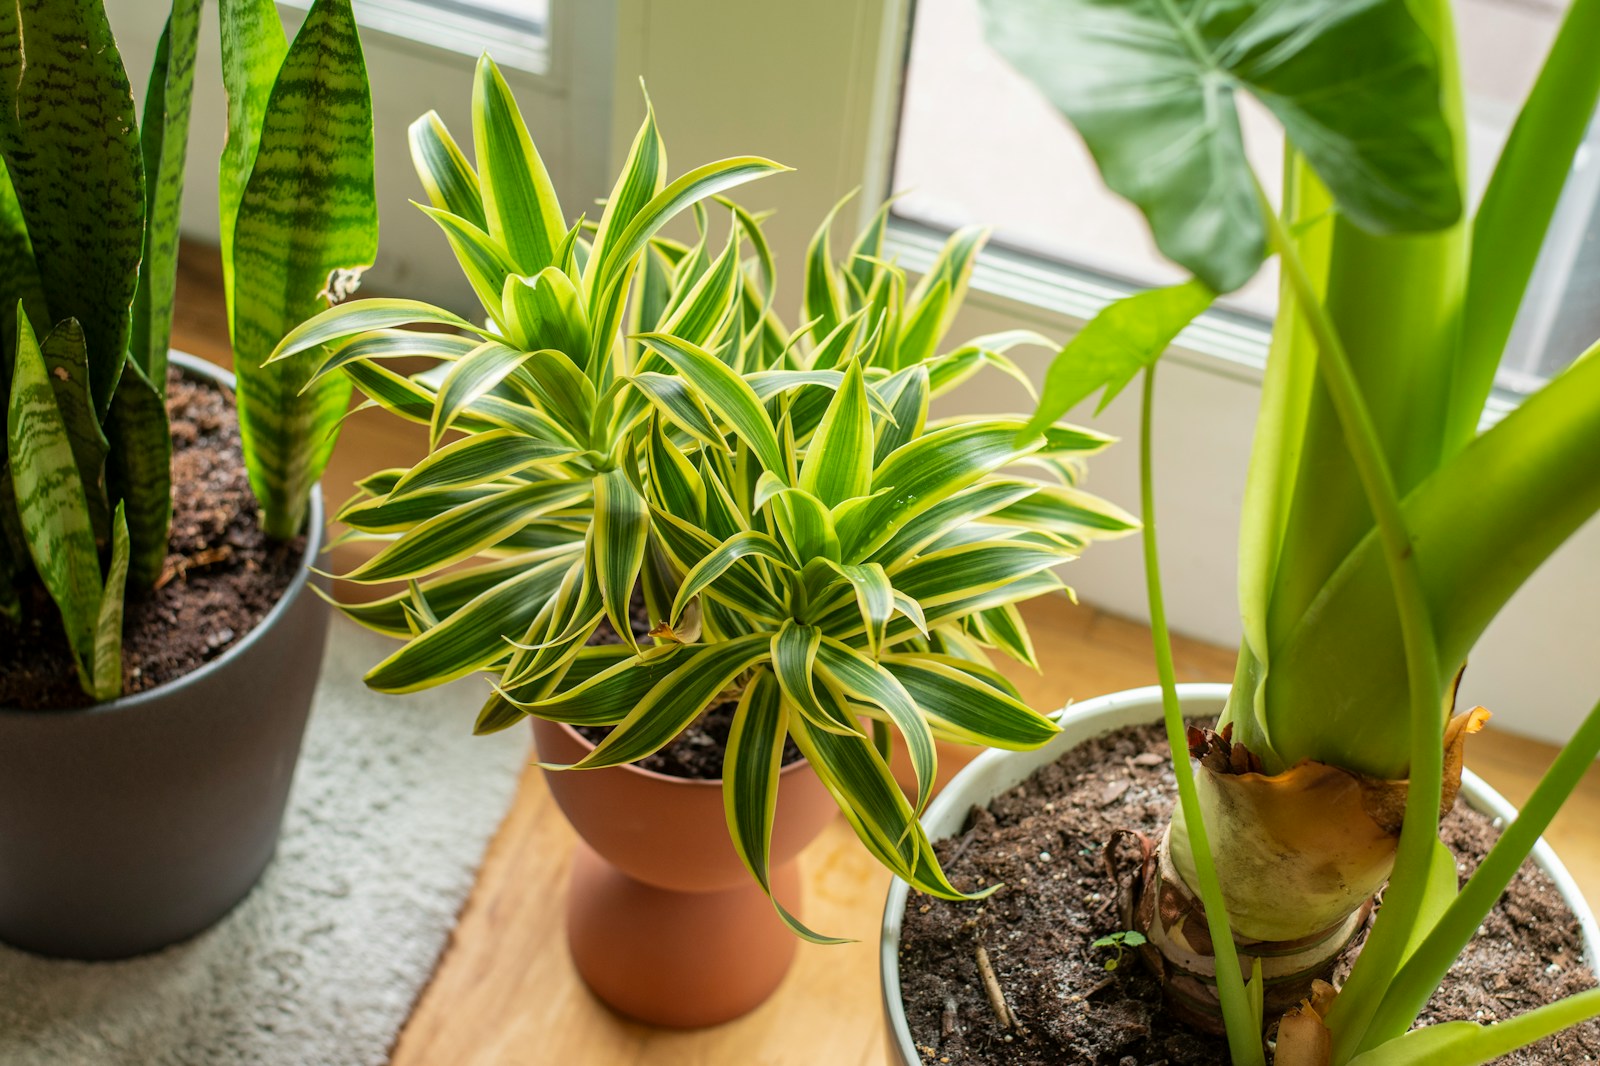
{"x": 528, "y": 15}
{"x": 977, "y": 143}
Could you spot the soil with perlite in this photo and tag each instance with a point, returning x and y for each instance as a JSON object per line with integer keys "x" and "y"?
{"x": 221, "y": 576}
{"x": 1042, "y": 841}
{"x": 697, "y": 752}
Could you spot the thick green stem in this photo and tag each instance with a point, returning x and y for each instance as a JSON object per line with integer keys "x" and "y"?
{"x": 1384, "y": 950}
{"x": 1243, "y": 1023}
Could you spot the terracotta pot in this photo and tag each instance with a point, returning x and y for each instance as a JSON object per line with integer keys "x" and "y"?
{"x": 665, "y": 924}
{"x": 994, "y": 772}
{"x": 129, "y": 825}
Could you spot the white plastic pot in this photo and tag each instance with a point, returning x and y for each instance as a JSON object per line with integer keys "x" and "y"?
{"x": 994, "y": 772}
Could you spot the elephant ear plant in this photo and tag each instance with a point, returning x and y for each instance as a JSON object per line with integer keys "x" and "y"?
{"x": 89, "y": 206}
{"x": 1381, "y": 532}
{"x": 808, "y": 544}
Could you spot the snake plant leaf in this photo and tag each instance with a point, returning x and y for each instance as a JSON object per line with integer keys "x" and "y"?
{"x": 139, "y": 471}
{"x": 12, "y": 548}
{"x": 473, "y": 636}
{"x": 66, "y": 361}
{"x": 466, "y": 529}
{"x": 163, "y": 141}
{"x": 838, "y": 462}
{"x": 519, "y": 201}
{"x": 546, "y": 311}
{"x": 702, "y": 673}
{"x": 863, "y": 680}
{"x": 726, "y": 394}
{"x": 642, "y": 177}
{"x": 966, "y": 708}
{"x": 51, "y": 505}
{"x": 71, "y": 142}
{"x": 617, "y": 542}
{"x": 750, "y": 773}
{"x": 313, "y": 165}
{"x": 478, "y": 459}
{"x": 450, "y": 182}
{"x": 253, "y": 47}
{"x": 744, "y": 544}
{"x": 106, "y": 674}
{"x": 1151, "y": 87}
{"x": 19, "y": 275}
{"x": 1123, "y": 338}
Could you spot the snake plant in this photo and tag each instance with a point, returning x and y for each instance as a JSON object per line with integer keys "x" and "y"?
{"x": 1382, "y": 531}
{"x": 89, "y": 206}
{"x": 632, "y": 415}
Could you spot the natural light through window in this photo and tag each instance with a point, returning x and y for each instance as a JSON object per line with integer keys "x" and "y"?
{"x": 978, "y": 143}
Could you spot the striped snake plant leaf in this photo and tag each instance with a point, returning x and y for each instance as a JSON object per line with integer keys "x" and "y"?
{"x": 701, "y": 674}
{"x": 163, "y": 142}
{"x": 962, "y": 707}
{"x": 51, "y": 506}
{"x": 471, "y": 637}
{"x": 13, "y": 551}
{"x": 19, "y": 274}
{"x": 838, "y": 461}
{"x": 253, "y": 47}
{"x": 313, "y": 166}
{"x": 466, "y": 529}
{"x": 446, "y": 176}
{"x": 519, "y": 202}
{"x": 751, "y": 768}
{"x": 617, "y": 543}
{"x": 66, "y": 362}
{"x": 71, "y": 143}
{"x": 347, "y": 320}
{"x": 139, "y": 471}
{"x": 105, "y": 680}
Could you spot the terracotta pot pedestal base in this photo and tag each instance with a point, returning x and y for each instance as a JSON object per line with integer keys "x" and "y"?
{"x": 681, "y": 960}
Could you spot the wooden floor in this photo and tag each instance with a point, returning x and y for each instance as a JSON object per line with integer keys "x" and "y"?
{"x": 506, "y": 994}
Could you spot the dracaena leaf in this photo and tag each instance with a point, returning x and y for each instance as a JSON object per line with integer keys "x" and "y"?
{"x": 546, "y": 311}
{"x": 965, "y": 708}
{"x": 479, "y": 458}
{"x": 750, "y": 542}
{"x": 641, "y": 179}
{"x": 362, "y": 316}
{"x": 395, "y": 344}
{"x": 865, "y": 681}
{"x": 725, "y": 393}
{"x": 838, "y": 462}
{"x": 451, "y": 184}
{"x": 610, "y": 695}
{"x": 823, "y": 298}
{"x": 1150, "y": 86}
{"x": 617, "y": 540}
{"x": 519, "y": 201}
{"x": 485, "y": 262}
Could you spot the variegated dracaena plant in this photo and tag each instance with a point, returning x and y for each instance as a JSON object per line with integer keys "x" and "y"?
{"x": 806, "y": 541}
{"x": 89, "y": 208}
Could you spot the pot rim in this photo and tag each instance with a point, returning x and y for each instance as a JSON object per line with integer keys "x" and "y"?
{"x": 652, "y": 775}
{"x": 194, "y": 366}
{"x": 1478, "y": 794}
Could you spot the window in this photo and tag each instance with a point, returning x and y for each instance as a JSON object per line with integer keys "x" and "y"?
{"x": 1032, "y": 179}
{"x": 517, "y": 30}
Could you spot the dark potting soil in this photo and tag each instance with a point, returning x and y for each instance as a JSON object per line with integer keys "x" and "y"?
{"x": 221, "y": 576}
{"x": 1043, "y": 839}
{"x": 697, "y": 752}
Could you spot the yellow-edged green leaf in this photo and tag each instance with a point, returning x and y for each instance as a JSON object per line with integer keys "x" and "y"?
{"x": 865, "y": 681}
{"x": 546, "y": 311}
{"x": 725, "y": 393}
{"x": 838, "y": 462}
{"x": 396, "y": 344}
{"x": 363, "y": 316}
{"x": 485, "y": 262}
{"x": 479, "y": 458}
{"x": 741, "y": 545}
{"x": 451, "y": 184}
{"x": 617, "y": 537}
{"x": 519, "y": 201}
{"x": 641, "y": 179}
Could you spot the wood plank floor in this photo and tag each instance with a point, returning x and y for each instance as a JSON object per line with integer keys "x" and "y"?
{"x": 506, "y": 994}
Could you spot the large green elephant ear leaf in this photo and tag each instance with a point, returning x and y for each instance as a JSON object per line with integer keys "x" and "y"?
{"x": 307, "y": 227}
{"x": 1151, "y": 84}
{"x": 71, "y": 142}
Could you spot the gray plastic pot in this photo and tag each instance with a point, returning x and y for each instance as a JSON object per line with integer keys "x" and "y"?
{"x": 995, "y": 771}
{"x": 133, "y": 824}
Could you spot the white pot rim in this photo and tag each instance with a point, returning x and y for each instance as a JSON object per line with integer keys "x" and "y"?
{"x": 994, "y": 771}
